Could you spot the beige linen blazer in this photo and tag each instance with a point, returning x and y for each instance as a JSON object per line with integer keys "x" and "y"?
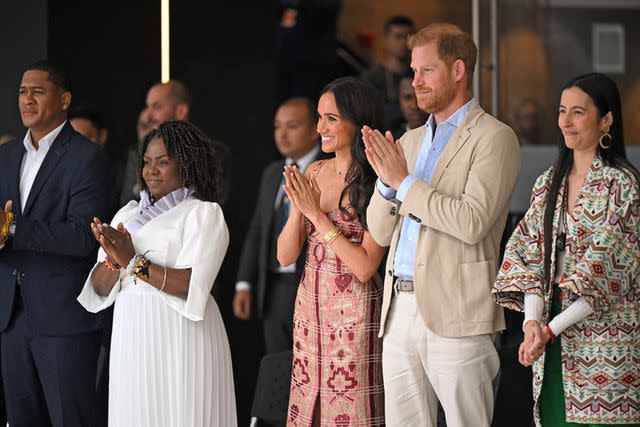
{"x": 462, "y": 216}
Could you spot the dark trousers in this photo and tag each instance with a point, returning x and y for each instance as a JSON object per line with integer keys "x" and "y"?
{"x": 278, "y": 313}
{"x": 48, "y": 380}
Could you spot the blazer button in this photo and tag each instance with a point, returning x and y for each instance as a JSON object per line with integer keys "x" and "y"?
{"x": 390, "y": 273}
{"x": 14, "y": 272}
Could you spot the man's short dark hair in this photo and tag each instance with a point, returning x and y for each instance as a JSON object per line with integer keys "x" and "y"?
{"x": 55, "y": 73}
{"x": 308, "y": 104}
{"x": 88, "y": 113}
{"x": 398, "y": 20}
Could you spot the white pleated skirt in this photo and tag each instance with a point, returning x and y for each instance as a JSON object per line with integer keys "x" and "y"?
{"x": 166, "y": 370}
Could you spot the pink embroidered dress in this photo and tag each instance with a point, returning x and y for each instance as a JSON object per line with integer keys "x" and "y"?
{"x": 337, "y": 356}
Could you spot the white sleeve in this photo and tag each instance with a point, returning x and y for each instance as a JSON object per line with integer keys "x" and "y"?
{"x": 88, "y": 297}
{"x": 243, "y": 286}
{"x": 579, "y": 310}
{"x": 533, "y": 307}
{"x": 205, "y": 239}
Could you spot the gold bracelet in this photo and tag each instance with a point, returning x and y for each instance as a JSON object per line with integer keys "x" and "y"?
{"x": 4, "y": 231}
{"x": 334, "y": 238}
{"x": 331, "y": 235}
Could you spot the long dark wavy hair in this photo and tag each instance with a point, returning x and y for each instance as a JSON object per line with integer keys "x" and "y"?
{"x": 194, "y": 152}
{"x": 360, "y": 104}
{"x": 604, "y": 95}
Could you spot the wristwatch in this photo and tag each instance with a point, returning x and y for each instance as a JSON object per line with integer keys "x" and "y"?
{"x": 12, "y": 229}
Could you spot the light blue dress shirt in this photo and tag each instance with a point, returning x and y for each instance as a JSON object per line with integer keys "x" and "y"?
{"x": 430, "y": 151}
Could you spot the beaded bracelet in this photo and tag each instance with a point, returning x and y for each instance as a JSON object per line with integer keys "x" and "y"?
{"x": 139, "y": 267}
{"x": 113, "y": 266}
{"x": 141, "y": 270}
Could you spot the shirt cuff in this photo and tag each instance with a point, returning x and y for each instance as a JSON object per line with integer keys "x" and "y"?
{"x": 404, "y": 187}
{"x": 577, "y": 311}
{"x": 533, "y": 307}
{"x": 243, "y": 286}
{"x": 386, "y": 192}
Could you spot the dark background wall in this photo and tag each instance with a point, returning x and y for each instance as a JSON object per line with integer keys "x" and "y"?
{"x": 17, "y": 49}
{"x": 111, "y": 54}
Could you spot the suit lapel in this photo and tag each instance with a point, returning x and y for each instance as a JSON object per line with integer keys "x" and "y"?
{"x": 55, "y": 154}
{"x": 457, "y": 141}
{"x": 270, "y": 198}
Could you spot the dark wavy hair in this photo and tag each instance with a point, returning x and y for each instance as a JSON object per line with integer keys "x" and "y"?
{"x": 605, "y": 96}
{"x": 360, "y": 104}
{"x": 194, "y": 152}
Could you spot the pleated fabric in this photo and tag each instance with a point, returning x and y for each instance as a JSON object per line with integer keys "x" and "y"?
{"x": 170, "y": 361}
{"x": 165, "y": 369}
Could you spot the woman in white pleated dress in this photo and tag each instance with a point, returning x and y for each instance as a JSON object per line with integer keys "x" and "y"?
{"x": 170, "y": 362}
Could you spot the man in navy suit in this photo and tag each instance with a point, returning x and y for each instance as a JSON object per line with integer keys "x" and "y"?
{"x": 53, "y": 182}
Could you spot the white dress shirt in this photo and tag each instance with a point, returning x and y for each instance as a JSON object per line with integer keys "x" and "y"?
{"x": 303, "y": 163}
{"x": 32, "y": 161}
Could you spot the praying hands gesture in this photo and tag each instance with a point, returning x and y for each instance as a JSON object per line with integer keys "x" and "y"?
{"x": 385, "y": 156}
{"x": 533, "y": 346}
{"x": 116, "y": 243}
{"x": 303, "y": 193}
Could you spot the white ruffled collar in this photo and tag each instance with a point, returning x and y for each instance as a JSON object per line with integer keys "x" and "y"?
{"x": 147, "y": 210}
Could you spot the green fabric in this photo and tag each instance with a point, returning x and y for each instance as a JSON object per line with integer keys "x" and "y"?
{"x": 552, "y": 410}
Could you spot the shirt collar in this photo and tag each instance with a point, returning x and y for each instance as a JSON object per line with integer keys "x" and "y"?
{"x": 456, "y": 118}
{"x": 45, "y": 142}
{"x": 304, "y": 161}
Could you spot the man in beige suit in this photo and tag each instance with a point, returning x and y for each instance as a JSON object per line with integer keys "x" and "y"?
{"x": 441, "y": 203}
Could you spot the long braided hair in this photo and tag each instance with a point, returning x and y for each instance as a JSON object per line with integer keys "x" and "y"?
{"x": 194, "y": 153}
{"x": 605, "y": 96}
{"x": 360, "y": 104}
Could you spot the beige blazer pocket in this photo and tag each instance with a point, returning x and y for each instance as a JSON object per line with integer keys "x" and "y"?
{"x": 476, "y": 280}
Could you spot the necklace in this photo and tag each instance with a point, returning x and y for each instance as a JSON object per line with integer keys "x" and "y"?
{"x": 333, "y": 165}
{"x": 561, "y": 240}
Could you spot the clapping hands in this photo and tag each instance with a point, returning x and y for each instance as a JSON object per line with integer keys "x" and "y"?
{"x": 116, "y": 242}
{"x": 303, "y": 193}
{"x": 385, "y": 156}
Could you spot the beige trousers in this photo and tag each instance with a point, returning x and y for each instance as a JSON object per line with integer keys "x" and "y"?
{"x": 419, "y": 368}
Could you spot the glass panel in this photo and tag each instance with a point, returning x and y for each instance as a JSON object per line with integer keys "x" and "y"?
{"x": 544, "y": 43}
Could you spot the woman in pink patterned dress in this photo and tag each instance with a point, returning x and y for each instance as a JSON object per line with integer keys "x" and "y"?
{"x": 337, "y": 371}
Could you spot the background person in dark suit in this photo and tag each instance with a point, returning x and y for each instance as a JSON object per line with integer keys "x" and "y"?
{"x": 259, "y": 272}
{"x": 52, "y": 183}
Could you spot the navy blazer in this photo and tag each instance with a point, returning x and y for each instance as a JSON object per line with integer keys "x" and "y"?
{"x": 50, "y": 256}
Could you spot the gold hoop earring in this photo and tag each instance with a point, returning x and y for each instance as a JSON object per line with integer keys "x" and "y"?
{"x": 601, "y": 141}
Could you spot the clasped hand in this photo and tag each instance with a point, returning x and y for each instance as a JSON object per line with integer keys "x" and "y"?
{"x": 116, "y": 242}
{"x": 534, "y": 343}
{"x": 385, "y": 156}
{"x": 304, "y": 194}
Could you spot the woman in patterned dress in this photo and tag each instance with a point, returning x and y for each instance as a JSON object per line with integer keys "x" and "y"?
{"x": 337, "y": 371}
{"x": 573, "y": 266}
